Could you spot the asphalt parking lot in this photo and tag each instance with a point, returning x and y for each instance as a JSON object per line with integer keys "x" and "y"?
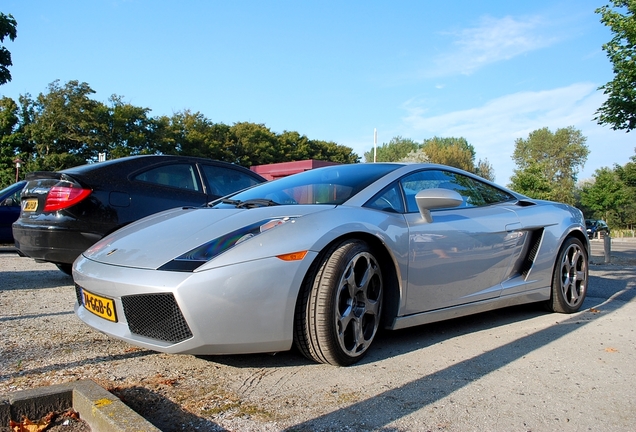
{"x": 518, "y": 369}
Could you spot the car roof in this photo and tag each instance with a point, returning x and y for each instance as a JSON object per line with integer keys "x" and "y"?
{"x": 129, "y": 164}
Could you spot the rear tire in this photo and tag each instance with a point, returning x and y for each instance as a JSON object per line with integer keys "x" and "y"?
{"x": 570, "y": 278}
{"x": 339, "y": 309}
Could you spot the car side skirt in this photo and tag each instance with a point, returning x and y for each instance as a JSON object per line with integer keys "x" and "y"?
{"x": 537, "y": 295}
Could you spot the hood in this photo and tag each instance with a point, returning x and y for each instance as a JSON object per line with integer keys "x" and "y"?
{"x": 157, "y": 239}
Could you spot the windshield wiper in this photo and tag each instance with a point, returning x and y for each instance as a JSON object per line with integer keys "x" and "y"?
{"x": 250, "y": 203}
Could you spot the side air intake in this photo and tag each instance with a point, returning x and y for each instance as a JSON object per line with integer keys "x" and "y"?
{"x": 533, "y": 248}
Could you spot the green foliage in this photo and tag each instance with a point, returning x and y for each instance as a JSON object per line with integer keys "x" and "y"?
{"x": 627, "y": 172}
{"x": 8, "y": 140}
{"x": 64, "y": 121}
{"x": 396, "y": 150}
{"x": 195, "y": 135}
{"x": 548, "y": 163}
{"x": 532, "y": 182}
{"x": 609, "y": 198}
{"x": 619, "y": 110}
{"x": 416, "y": 156}
{"x": 66, "y": 127}
{"x": 485, "y": 169}
{"x": 8, "y": 28}
{"x": 454, "y": 152}
{"x": 450, "y": 151}
{"x": 123, "y": 130}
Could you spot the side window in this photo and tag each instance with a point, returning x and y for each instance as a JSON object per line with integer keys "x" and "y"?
{"x": 491, "y": 194}
{"x": 16, "y": 198}
{"x": 180, "y": 176}
{"x": 12, "y": 200}
{"x": 474, "y": 193}
{"x": 224, "y": 181}
{"x": 389, "y": 199}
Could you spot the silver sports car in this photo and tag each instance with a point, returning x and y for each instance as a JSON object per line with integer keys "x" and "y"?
{"x": 321, "y": 259}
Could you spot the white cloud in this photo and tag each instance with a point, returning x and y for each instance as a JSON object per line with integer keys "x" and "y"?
{"x": 493, "y": 127}
{"x": 493, "y": 40}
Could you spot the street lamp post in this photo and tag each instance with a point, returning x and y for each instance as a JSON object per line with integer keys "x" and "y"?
{"x": 18, "y": 164}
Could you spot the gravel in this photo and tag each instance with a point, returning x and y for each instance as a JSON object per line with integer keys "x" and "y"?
{"x": 518, "y": 369}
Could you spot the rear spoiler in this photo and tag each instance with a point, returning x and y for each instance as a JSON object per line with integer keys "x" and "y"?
{"x": 35, "y": 175}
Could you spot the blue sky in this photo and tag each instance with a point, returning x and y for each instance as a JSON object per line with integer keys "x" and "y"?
{"x": 488, "y": 71}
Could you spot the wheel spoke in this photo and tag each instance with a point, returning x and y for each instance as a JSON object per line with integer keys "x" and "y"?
{"x": 358, "y": 302}
{"x": 573, "y": 274}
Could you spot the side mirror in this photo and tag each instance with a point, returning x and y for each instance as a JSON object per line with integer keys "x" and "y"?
{"x": 428, "y": 199}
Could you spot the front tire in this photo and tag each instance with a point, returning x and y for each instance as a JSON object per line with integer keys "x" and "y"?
{"x": 338, "y": 312}
{"x": 66, "y": 268}
{"x": 570, "y": 278}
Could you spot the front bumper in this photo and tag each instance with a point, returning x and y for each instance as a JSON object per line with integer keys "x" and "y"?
{"x": 236, "y": 309}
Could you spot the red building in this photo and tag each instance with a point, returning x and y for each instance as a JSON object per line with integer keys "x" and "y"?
{"x": 283, "y": 169}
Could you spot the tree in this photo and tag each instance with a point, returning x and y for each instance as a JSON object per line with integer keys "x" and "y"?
{"x": 485, "y": 169}
{"x": 8, "y": 26}
{"x": 532, "y": 181}
{"x": 627, "y": 175}
{"x": 8, "y": 125}
{"x": 606, "y": 196}
{"x": 417, "y": 156}
{"x": 122, "y": 130}
{"x": 627, "y": 172}
{"x": 554, "y": 157}
{"x": 64, "y": 119}
{"x": 619, "y": 110}
{"x": 450, "y": 151}
{"x": 455, "y": 152}
{"x": 328, "y": 151}
{"x": 394, "y": 151}
{"x": 66, "y": 127}
{"x": 193, "y": 134}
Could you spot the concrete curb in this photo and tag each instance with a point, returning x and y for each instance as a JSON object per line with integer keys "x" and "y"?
{"x": 102, "y": 410}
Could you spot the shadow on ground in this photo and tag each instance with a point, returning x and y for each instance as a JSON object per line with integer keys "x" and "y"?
{"x": 161, "y": 411}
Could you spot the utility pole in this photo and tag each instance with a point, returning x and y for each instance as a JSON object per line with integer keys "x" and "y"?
{"x": 375, "y": 144}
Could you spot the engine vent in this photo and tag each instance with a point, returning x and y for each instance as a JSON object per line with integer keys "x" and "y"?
{"x": 156, "y": 316}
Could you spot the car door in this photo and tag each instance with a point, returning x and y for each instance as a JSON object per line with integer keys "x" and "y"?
{"x": 463, "y": 254}
{"x": 9, "y": 210}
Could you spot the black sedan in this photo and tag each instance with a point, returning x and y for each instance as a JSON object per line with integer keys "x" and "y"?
{"x": 64, "y": 213}
{"x": 9, "y": 210}
{"x": 596, "y": 227}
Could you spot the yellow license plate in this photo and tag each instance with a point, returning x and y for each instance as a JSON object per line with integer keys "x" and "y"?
{"x": 30, "y": 205}
{"x": 100, "y": 306}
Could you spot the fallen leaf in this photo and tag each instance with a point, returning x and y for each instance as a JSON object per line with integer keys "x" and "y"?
{"x": 594, "y": 310}
{"x": 611, "y": 350}
{"x": 71, "y": 413}
{"x": 27, "y": 425}
{"x": 168, "y": 382}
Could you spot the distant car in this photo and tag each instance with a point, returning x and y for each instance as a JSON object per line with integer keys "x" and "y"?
{"x": 323, "y": 258}
{"x": 596, "y": 227}
{"x": 65, "y": 212}
{"x": 9, "y": 210}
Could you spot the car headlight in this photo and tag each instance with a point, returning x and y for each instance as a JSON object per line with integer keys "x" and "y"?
{"x": 198, "y": 256}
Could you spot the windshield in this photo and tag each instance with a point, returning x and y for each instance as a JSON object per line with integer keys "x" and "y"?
{"x": 329, "y": 185}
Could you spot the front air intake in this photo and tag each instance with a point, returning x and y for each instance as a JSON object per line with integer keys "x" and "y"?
{"x": 156, "y": 316}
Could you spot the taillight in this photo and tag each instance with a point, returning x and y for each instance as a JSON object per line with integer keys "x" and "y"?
{"x": 61, "y": 197}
